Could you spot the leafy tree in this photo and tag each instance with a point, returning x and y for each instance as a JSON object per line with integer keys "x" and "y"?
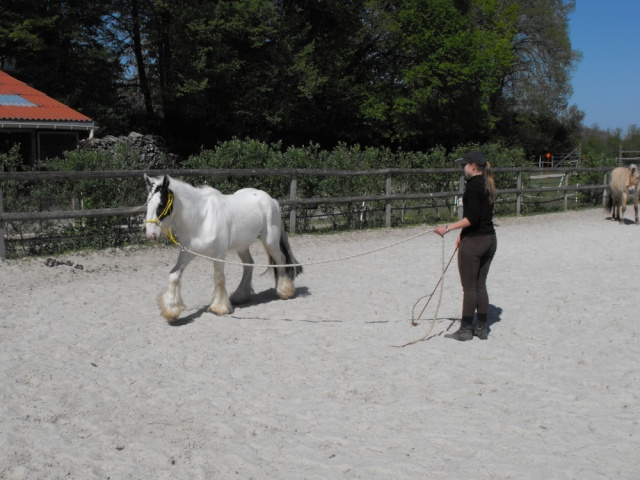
{"x": 441, "y": 88}
{"x": 409, "y": 74}
{"x": 535, "y": 90}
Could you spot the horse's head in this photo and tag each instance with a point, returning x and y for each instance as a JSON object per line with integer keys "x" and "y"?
{"x": 159, "y": 205}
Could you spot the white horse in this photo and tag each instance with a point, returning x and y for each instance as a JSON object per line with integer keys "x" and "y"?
{"x": 210, "y": 223}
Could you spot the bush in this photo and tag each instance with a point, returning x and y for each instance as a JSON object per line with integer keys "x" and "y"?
{"x": 57, "y": 236}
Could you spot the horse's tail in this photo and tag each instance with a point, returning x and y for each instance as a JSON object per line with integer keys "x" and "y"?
{"x": 615, "y": 187}
{"x": 289, "y": 258}
{"x": 609, "y": 204}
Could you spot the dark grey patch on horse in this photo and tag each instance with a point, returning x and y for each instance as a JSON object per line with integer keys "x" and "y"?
{"x": 285, "y": 248}
{"x": 163, "y": 189}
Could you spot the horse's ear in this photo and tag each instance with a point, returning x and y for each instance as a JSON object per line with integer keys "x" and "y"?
{"x": 148, "y": 182}
{"x": 165, "y": 183}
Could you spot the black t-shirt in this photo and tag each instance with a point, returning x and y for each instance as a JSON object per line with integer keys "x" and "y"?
{"x": 477, "y": 208}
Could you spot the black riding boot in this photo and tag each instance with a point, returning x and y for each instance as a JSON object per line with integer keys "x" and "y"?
{"x": 465, "y": 332}
{"x": 481, "y": 327}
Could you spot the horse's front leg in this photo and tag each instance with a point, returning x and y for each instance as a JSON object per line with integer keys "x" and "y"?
{"x": 221, "y": 304}
{"x": 244, "y": 290}
{"x": 170, "y": 302}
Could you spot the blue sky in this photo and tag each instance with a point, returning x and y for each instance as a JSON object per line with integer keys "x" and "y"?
{"x": 606, "y": 83}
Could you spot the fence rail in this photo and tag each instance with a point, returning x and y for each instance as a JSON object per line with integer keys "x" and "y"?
{"x": 294, "y": 200}
{"x": 628, "y": 156}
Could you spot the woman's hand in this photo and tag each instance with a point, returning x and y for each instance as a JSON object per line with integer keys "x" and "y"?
{"x": 442, "y": 230}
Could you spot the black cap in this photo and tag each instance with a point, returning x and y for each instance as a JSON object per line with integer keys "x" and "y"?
{"x": 472, "y": 157}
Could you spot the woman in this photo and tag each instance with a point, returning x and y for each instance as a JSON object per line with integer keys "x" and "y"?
{"x": 476, "y": 244}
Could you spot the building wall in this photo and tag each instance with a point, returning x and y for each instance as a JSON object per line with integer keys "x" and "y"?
{"x": 39, "y": 145}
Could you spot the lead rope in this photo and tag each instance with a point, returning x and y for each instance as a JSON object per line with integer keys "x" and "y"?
{"x": 440, "y": 282}
{"x": 319, "y": 262}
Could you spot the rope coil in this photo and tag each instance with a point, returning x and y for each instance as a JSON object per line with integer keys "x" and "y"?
{"x": 435, "y": 313}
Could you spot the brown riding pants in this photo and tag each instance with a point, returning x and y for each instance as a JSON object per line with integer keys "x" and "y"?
{"x": 474, "y": 259}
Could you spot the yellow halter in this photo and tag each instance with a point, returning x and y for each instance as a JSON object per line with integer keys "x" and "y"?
{"x": 164, "y": 213}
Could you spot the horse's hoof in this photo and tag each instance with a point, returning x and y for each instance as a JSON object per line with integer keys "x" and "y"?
{"x": 171, "y": 315}
{"x": 221, "y": 309}
{"x": 286, "y": 294}
{"x": 286, "y": 289}
{"x": 240, "y": 298}
{"x": 169, "y": 311}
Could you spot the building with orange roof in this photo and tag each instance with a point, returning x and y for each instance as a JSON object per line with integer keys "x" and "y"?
{"x": 43, "y": 127}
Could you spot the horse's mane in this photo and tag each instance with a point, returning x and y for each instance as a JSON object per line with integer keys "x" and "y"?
{"x": 181, "y": 188}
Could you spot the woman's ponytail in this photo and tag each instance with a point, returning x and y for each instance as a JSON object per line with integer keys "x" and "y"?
{"x": 490, "y": 184}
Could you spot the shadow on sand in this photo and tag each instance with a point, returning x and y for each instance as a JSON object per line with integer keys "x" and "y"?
{"x": 261, "y": 298}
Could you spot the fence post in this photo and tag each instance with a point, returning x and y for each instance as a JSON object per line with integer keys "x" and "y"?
{"x": 519, "y": 194}
{"x": 2, "y": 251}
{"x": 293, "y": 193}
{"x": 460, "y": 205}
{"x": 620, "y": 155}
{"x": 387, "y": 215}
{"x": 605, "y": 193}
{"x": 565, "y": 181}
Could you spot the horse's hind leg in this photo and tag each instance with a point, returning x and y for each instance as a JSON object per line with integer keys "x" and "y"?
{"x": 285, "y": 288}
{"x": 244, "y": 290}
{"x": 170, "y": 302}
{"x": 221, "y": 304}
{"x": 623, "y": 207}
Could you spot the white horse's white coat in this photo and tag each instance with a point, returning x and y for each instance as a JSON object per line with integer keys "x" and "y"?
{"x": 210, "y": 223}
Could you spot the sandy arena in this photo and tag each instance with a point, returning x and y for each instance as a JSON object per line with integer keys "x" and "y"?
{"x": 95, "y": 384}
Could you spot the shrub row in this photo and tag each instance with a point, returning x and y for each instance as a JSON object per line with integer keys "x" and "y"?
{"x": 43, "y": 238}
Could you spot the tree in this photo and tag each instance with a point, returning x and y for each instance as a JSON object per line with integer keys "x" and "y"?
{"x": 439, "y": 87}
{"x": 323, "y": 54}
{"x": 58, "y": 50}
{"x": 535, "y": 91}
{"x": 411, "y": 74}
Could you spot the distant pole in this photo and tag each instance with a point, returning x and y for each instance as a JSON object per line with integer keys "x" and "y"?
{"x": 461, "y": 190}
{"x": 388, "y": 191}
{"x": 565, "y": 183}
{"x": 519, "y": 194}
{"x": 293, "y": 194}
{"x": 2, "y": 250}
{"x": 620, "y": 154}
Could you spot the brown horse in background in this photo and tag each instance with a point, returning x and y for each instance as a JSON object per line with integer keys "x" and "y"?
{"x": 622, "y": 187}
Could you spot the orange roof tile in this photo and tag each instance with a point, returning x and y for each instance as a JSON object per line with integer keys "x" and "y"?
{"x": 14, "y": 96}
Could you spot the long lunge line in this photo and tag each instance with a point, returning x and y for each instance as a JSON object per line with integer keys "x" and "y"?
{"x": 319, "y": 262}
{"x": 440, "y": 282}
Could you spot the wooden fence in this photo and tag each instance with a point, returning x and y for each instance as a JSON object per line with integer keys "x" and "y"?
{"x": 294, "y": 201}
{"x": 626, "y": 157}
